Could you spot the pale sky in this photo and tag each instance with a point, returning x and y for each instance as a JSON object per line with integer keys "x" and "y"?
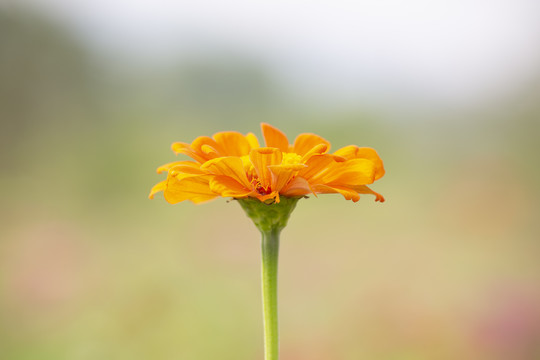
{"x": 457, "y": 52}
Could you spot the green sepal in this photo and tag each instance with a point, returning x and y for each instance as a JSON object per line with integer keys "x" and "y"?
{"x": 269, "y": 217}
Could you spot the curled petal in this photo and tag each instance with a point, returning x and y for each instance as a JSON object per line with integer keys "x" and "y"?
{"x": 183, "y": 164}
{"x": 229, "y": 166}
{"x": 355, "y": 152}
{"x": 273, "y": 137}
{"x": 208, "y": 143}
{"x": 316, "y": 150}
{"x": 209, "y": 152}
{"x": 305, "y": 142}
{"x": 183, "y": 148}
{"x": 160, "y": 186}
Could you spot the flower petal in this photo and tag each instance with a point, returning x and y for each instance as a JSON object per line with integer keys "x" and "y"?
{"x": 355, "y": 152}
{"x": 281, "y": 174}
{"x": 351, "y": 172}
{"x": 183, "y": 164}
{"x": 183, "y": 148}
{"x": 160, "y": 186}
{"x": 348, "y": 194}
{"x": 363, "y": 189}
{"x": 233, "y": 143}
{"x": 297, "y": 187}
{"x": 229, "y": 166}
{"x": 253, "y": 141}
{"x": 305, "y": 142}
{"x": 261, "y": 158}
{"x": 226, "y": 186}
{"x": 273, "y": 137}
{"x": 208, "y": 143}
{"x": 194, "y": 188}
{"x": 317, "y": 165}
{"x": 316, "y": 150}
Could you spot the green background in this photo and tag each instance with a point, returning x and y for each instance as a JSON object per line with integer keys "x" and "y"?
{"x": 447, "y": 268}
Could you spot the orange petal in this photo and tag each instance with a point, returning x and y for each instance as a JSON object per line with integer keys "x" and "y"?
{"x": 355, "y": 152}
{"x": 261, "y": 158}
{"x": 194, "y": 188}
{"x": 297, "y": 187}
{"x": 229, "y": 166}
{"x": 316, "y": 150}
{"x": 273, "y": 137}
{"x": 281, "y": 174}
{"x": 198, "y": 143}
{"x": 252, "y": 140}
{"x": 183, "y": 148}
{"x": 348, "y": 194}
{"x": 209, "y": 151}
{"x": 233, "y": 143}
{"x": 160, "y": 186}
{"x": 317, "y": 165}
{"x": 226, "y": 186}
{"x": 169, "y": 166}
{"x": 351, "y": 172}
{"x": 305, "y": 142}
{"x": 363, "y": 189}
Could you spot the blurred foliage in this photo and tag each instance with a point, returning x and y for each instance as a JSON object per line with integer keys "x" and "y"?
{"x": 447, "y": 268}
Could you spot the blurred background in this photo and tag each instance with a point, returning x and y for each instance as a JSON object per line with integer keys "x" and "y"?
{"x": 92, "y": 94}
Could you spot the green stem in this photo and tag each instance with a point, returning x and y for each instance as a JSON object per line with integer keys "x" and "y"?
{"x": 270, "y": 255}
{"x": 270, "y": 219}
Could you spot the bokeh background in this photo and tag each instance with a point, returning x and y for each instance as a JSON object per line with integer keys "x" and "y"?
{"x": 92, "y": 94}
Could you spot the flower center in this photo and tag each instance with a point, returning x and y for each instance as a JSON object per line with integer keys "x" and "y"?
{"x": 262, "y": 190}
{"x": 291, "y": 159}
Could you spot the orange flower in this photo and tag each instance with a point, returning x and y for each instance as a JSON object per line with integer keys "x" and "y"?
{"x": 230, "y": 164}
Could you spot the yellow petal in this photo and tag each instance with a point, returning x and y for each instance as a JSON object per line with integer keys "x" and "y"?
{"x": 183, "y": 164}
{"x": 261, "y": 158}
{"x": 252, "y": 140}
{"x": 233, "y": 143}
{"x": 226, "y": 186}
{"x": 281, "y": 174}
{"x": 273, "y": 137}
{"x": 229, "y": 166}
{"x": 355, "y": 152}
{"x": 194, "y": 188}
{"x": 160, "y": 186}
{"x": 305, "y": 142}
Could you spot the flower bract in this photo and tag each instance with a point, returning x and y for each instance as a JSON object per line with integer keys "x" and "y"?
{"x": 230, "y": 164}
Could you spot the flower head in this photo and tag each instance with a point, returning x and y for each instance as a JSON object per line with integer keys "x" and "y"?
{"x": 231, "y": 164}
